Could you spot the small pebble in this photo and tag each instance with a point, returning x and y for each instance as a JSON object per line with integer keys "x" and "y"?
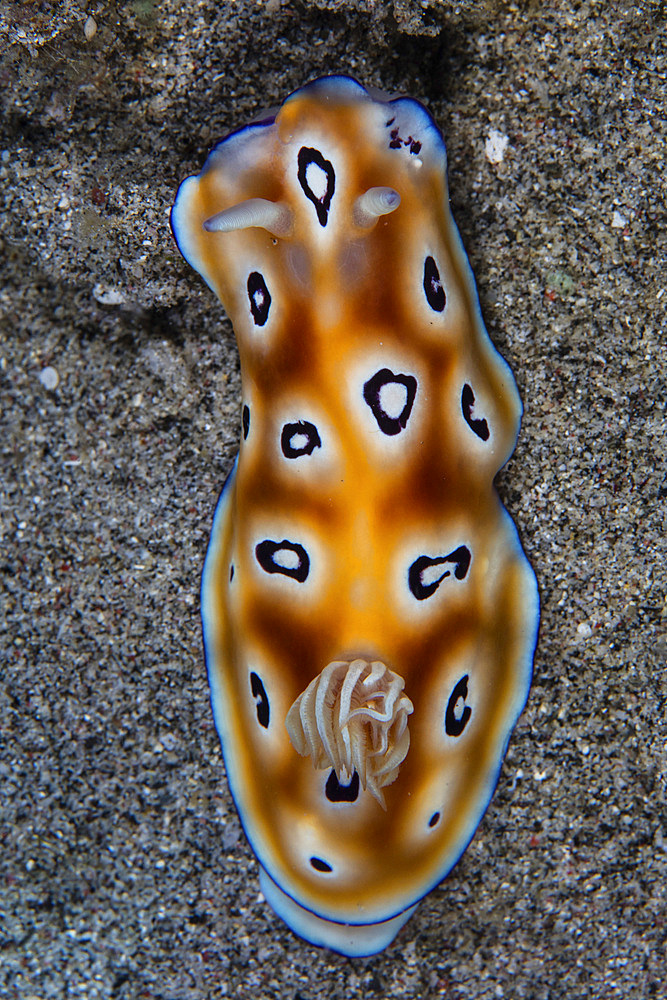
{"x": 49, "y": 378}
{"x": 495, "y": 146}
{"x": 108, "y": 296}
{"x": 90, "y": 28}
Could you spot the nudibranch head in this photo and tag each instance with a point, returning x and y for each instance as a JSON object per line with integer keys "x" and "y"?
{"x": 369, "y": 615}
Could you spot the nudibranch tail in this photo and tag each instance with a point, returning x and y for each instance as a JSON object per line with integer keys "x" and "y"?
{"x": 357, "y": 940}
{"x": 353, "y": 718}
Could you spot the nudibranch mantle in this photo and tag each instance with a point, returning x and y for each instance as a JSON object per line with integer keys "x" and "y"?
{"x": 369, "y": 615}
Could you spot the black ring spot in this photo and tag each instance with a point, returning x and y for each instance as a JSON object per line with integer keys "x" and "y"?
{"x": 454, "y": 726}
{"x": 372, "y": 389}
{"x": 260, "y": 696}
{"x": 231, "y": 572}
{"x": 480, "y": 427}
{"x": 267, "y": 551}
{"x": 435, "y": 293}
{"x": 260, "y": 299}
{"x": 320, "y": 866}
{"x": 245, "y": 420}
{"x": 301, "y": 428}
{"x": 460, "y": 556}
{"x": 434, "y": 819}
{"x": 323, "y": 203}
{"x": 336, "y": 792}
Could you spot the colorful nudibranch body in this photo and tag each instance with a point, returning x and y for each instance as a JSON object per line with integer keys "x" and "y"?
{"x": 369, "y": 615}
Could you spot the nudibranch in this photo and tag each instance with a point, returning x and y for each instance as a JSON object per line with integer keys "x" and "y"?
{"x": 369, "y": 614}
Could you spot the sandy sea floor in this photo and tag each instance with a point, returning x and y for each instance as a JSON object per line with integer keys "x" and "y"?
{"x": 123, "y": 869}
